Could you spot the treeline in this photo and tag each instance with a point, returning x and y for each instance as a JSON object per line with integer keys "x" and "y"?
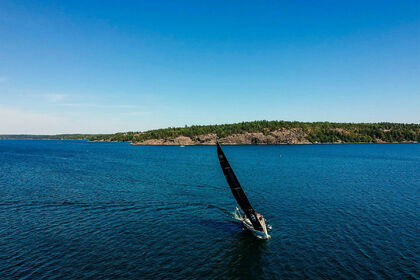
{"x": 50, "y": 137}
{"x": 316, "y": 132}
{"x": 364, "y": 133}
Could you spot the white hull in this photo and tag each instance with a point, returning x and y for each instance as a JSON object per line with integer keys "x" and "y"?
{"x": 259, "y": 234}
{"x": 248, "y": 225}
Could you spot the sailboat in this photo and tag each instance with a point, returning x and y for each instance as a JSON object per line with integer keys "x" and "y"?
{"x": 251, "y": 219}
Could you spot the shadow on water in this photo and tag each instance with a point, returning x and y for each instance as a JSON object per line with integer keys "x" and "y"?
{"x": 246, "y": 253}
{"x": 242, "y": 252}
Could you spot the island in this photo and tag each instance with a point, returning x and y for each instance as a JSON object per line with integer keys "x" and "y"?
{"x": 271, "y": 133}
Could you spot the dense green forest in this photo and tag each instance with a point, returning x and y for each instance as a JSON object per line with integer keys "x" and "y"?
{"x": 316, "y": 132}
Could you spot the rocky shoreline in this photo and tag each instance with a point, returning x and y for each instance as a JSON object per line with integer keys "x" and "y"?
{"x": 292, "y": 136}
{"x": 279, "y": 137}
{"x": 270, "y": 133}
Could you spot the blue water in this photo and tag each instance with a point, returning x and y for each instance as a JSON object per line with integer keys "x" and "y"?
{"x": 80, "y": 210}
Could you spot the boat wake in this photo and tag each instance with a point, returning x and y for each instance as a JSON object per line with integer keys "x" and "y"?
{"x": 236, "y": 215}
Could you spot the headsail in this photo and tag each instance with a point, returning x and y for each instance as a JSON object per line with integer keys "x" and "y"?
{"x": 237, "y": 190}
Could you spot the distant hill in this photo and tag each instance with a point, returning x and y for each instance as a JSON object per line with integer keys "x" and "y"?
{"x": 272, "y": 132}
{"x": 49, "y": 137}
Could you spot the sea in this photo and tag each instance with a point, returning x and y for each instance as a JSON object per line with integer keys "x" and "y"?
{"x": 82, "y": 210}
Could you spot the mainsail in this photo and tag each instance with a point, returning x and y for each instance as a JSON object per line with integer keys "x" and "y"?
{"x": 237, "y": 190}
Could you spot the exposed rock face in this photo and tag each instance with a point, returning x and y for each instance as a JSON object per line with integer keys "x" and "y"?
{"x": 292, "y": 136}
{"x": 248, "y": 138}
{"x": 284, "y": 136}
{"x": 180, "y": 140}
{"x": 207, "y": 139}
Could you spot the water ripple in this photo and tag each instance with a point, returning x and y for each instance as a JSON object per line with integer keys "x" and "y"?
{"x": 83, "y": 210}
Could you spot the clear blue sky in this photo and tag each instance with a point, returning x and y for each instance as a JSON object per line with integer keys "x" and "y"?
{"x": 107, "y": 66}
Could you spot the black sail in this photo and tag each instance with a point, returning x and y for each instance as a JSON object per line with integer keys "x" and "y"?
{"x": 237, "y": 190}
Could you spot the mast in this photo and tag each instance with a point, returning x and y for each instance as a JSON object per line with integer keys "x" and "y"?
{"x": 237, "y": 190}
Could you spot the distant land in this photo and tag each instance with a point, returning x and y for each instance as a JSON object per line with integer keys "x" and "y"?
{"x": 272, "y": 132}
{"x": 256, "y": 132}
{"x": 47, "y": 137}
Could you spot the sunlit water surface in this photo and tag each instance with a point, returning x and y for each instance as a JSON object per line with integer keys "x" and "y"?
{"x": 79, "y": 210}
